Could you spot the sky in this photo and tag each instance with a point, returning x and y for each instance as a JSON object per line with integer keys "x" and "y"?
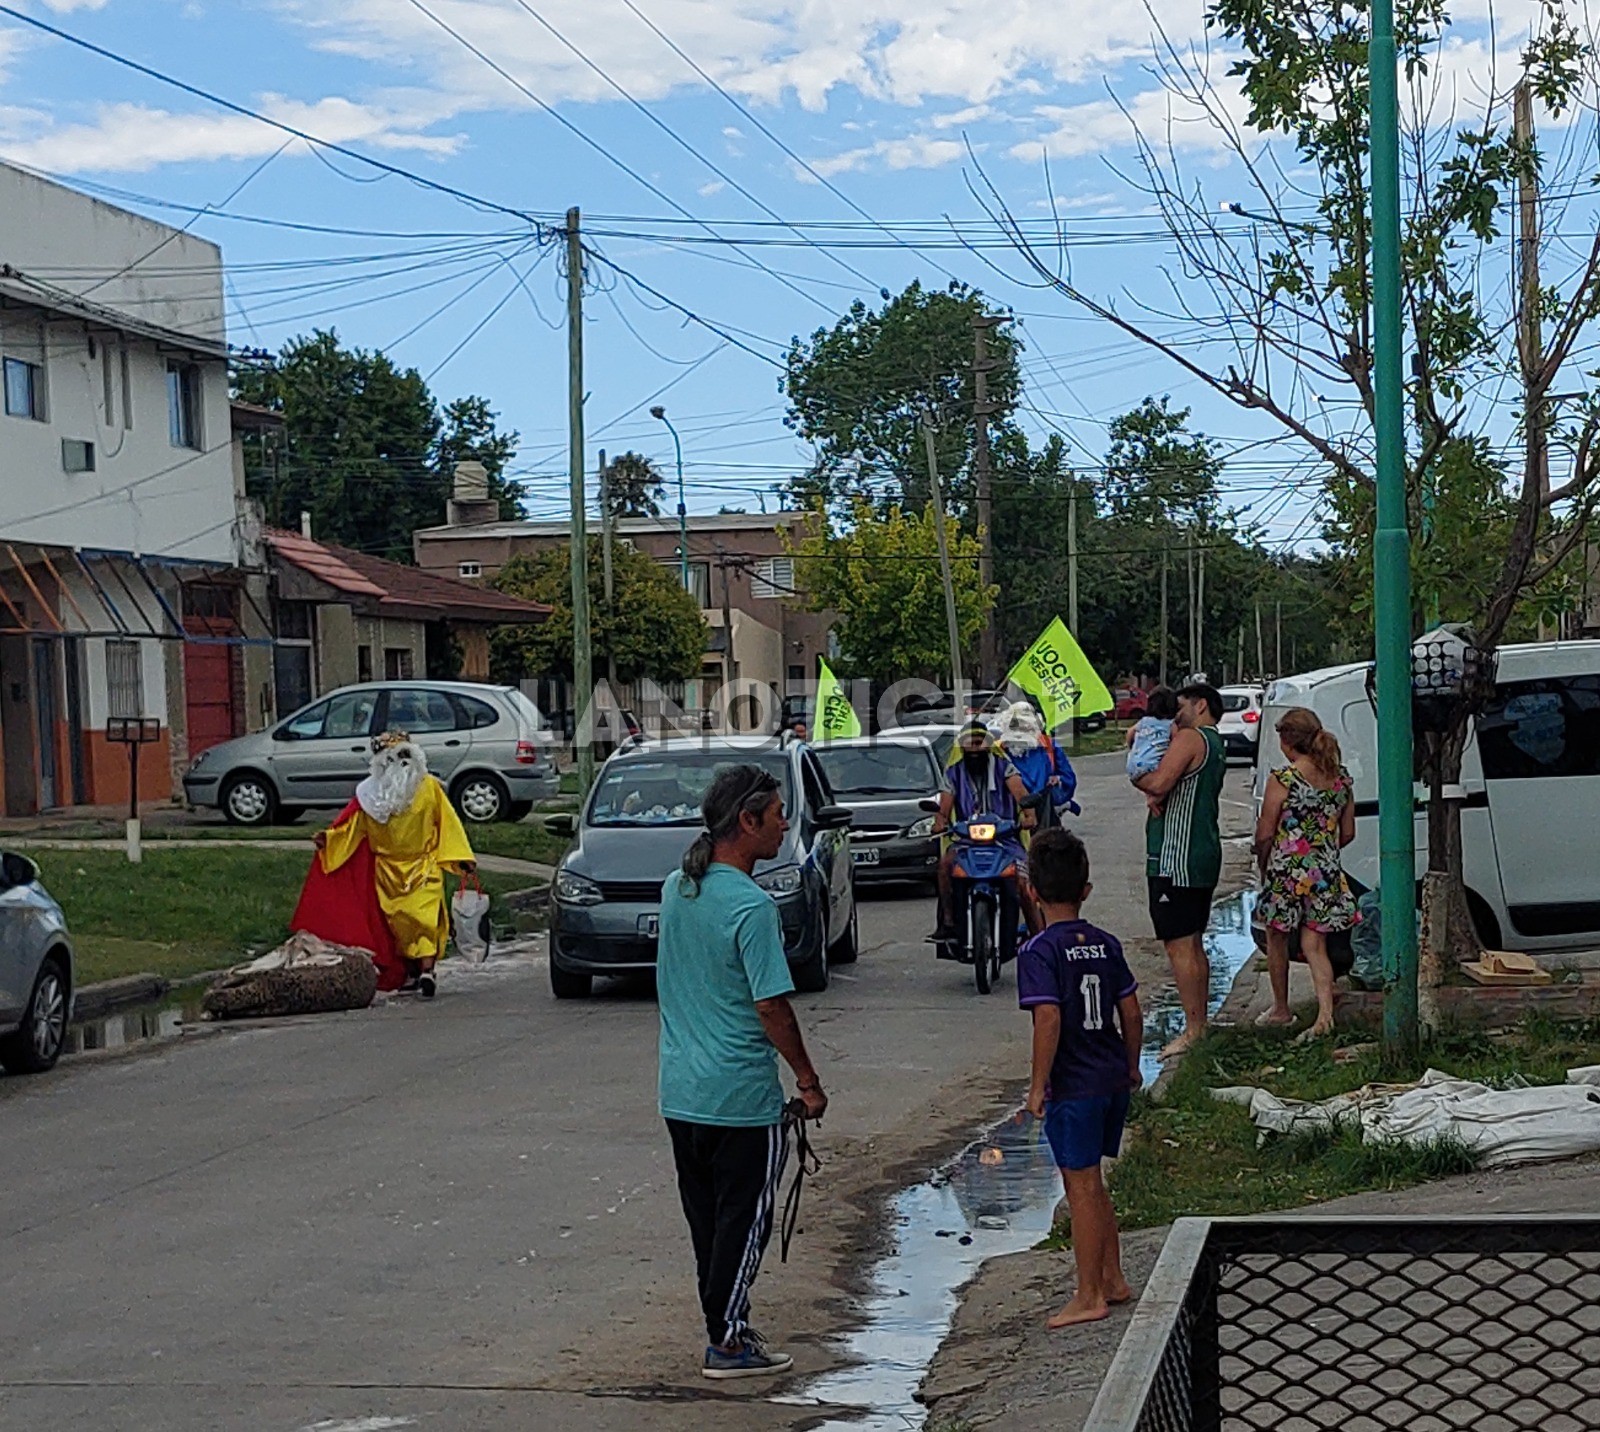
{"x": 733, "y": 162}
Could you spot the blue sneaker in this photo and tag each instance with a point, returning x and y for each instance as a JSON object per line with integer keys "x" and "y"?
{"x": 752, "y": 1359}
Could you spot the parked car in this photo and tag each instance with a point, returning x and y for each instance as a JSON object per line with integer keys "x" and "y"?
{"x": 632, "y": 832}
{"x": 1240, "y": 726}
{"x": 938, "y": 731}
{"x": 1131, "y": 703}
{"x": 884, "y": 779}
{"x": 488, "y": 744}
{"x": 37, "y": 973}
{"x": 1531, "y": 779}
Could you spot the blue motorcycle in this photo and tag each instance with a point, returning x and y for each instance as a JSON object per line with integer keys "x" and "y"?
{"x": 984, "y": 881}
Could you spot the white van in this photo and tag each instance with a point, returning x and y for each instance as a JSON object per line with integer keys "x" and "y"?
{"x": 1530, "y": 828}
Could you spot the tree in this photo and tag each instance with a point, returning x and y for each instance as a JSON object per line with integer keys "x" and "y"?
{"x": 1286, "y": 300}
{"x": 859, "y": 390}
{"x": 634, "y": 486}
{"x": 654, "y": 627}
{"x": 364, "y": 449}
{"x": 880, "y": 576}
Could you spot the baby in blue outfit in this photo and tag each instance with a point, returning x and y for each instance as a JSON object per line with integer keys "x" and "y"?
{"x": 1152, "y": 733}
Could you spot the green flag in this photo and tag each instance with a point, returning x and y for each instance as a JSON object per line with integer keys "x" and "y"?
{"x": 835, "y": 715}
{"x": 1055, "y": 670}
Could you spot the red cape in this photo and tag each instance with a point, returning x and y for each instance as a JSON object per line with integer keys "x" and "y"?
{"x": 343, "y": 908}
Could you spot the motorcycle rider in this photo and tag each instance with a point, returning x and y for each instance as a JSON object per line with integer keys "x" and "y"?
{"x": 979, "y": 780}
{"x": 1046, "y": 772}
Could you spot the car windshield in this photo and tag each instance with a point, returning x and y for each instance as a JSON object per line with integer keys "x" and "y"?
{"x": 878, "y": 770}
{"x": 667, "y": 789}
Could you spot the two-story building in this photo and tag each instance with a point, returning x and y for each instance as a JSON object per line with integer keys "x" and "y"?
{"x": 130, "y": 576}
{"x": 739, "y": 569}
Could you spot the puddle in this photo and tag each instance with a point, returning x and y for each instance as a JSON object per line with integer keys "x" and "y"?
{"x": 1229, "y": 945}
{"x": 998, "y": 1196}
{"x": 144, "y": 1024}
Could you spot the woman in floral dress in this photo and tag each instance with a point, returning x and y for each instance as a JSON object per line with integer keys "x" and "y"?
{"x": 1307, "y": 818}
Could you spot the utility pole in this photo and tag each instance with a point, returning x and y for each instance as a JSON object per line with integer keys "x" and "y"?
{"x": 944, "y": 556}
{"x": 1200, "y": 612}
{"x": 1530, "y": 330}
{"x": 1238, "y": 667}
{"x": 582, "y": 654}
{"x": 1261, "y": 651}
{"x": 1162, "y": 678}
{"x": 1391, "y": 561}
{"x": 989, "y": 650}
{"x": 1194, "y": 665}
{"x": 1277, "y": 627}
{"x": 1072, "y": 558}
{"x": 606, "y": 522}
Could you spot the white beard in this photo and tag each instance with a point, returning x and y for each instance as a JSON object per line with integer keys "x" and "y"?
{"x": 396, "y": 780}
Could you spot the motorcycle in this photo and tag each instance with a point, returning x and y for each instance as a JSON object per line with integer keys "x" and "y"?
{"x": 984, "y": 881}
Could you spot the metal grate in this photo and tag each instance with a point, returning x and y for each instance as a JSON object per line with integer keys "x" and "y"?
{"x": 1304, "y": 1325}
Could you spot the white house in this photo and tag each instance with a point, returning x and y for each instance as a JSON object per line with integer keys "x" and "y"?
{"x": 126, "y": 546}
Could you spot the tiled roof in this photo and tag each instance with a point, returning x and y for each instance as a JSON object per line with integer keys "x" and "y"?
{"x": 397, "y": 589}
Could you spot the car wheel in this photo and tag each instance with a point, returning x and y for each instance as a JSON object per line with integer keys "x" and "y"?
{"x": 848, "y": 949}
{"x": 811, "y": 977}
{"x": 567, "y": 984}
{"x": 482, "y": 798}
{"x": 249, "y": 799}
{"x": 519, "y": 810}
{"x": 36, "y": 1046}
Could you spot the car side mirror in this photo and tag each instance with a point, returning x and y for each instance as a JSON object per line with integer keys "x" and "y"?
{"x": 562, "y": 824}
{"x": 834, "y": 817}
{"x": 17, "y": 870}
{"x": 929, "y": 804}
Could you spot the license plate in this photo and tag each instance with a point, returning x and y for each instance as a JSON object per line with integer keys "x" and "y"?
{"x": 650, "y": 926}
{"x": 865, "y": 855}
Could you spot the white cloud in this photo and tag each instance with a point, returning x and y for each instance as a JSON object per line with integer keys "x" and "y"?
{"x": 716, "y": 186}
{"x": 912, "y": 152}
{"x": 732, "y": 131}
{"x": 133, "y": 137}
{"x": 961, "y": 118}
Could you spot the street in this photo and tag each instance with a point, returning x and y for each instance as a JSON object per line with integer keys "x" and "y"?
{"x": 462, "y": 1214}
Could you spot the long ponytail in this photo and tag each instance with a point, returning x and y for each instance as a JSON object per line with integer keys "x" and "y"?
{"x": 733, "y": 791}
{"x": 1325, "y": 754}
{"x": 1301, "y": 732}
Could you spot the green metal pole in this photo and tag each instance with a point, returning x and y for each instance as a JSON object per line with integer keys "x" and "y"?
{"x": 582, "y": 654}
{"x": 1392, "y": 564}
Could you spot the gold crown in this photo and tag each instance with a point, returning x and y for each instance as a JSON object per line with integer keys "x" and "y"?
{"x": 390, "y": 739}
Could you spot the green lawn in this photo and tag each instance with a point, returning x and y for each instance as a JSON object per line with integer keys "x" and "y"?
{"x": 181, "y": 912}
{"x": 526, "y": 840}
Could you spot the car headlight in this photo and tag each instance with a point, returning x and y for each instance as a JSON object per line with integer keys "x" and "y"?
{"x": 785, "y": 880}
{"x": 200, "y": 760}
{"x": 576, "y": 889}
{"x": 920, "y": 829}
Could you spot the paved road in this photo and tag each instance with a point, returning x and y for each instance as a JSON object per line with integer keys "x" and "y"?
{"x": 459, "y": 1215}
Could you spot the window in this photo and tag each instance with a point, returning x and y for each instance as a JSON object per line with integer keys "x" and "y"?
{"x": 363, "y": 663}
{"x": 294, "y": 621}
{"x": 106, "y": 395}
{"x": 291, "y": 675}
{"x": 124, "y": 679}
{"x": 24, "y": 389}
{"x": 398, "y": 663}
{"x": 815, "y": 783}
{"x": 797, "y": 675}
{"x": 475, "y": 714}
{"x": 127, "y": 389}
{"x": 420, "y": 712}
{"x": 773, "y": 579}
{"x": 77, "y": 455}
{"x": 183, "y": 404}
{"x": 468, "y": 570}
{"x": 350, "y": 715}
{"x": 1549, "y": 727}
{"x": 699, "y": 583}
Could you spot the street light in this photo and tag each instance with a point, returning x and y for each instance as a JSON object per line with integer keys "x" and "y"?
{"x": 683, "y": 512}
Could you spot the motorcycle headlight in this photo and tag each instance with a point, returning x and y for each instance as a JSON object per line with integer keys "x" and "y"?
{"x": 785, "y": 880}
{"x": 576, "y": 889}
{"x": 920, "y": 829}
{"x": 981, "y": 831}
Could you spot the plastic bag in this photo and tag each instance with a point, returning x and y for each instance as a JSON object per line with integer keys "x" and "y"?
{"x": 1366, "y": 942}
{"x": 469, "y": 918}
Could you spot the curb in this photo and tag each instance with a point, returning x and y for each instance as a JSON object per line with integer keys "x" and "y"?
{"x": 96, "y": 1001}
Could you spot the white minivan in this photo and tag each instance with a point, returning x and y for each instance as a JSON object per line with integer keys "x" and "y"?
{"x": 1530, "y": 827}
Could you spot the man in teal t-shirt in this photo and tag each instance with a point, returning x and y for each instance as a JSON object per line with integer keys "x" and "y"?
{"x": 723, "y": 985}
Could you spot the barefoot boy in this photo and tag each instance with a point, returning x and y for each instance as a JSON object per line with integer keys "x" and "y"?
{"x": 1086, "y": 1033}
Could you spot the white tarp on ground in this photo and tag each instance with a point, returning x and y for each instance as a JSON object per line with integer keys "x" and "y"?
{"x": 1500, "y": 1126}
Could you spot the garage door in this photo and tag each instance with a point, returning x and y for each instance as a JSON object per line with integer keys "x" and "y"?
{"x": 209, "y": 702}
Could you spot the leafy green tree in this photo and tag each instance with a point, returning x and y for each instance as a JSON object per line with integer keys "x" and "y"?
{"x": 879, "y": 575}
{"x": 634, "y": 486}
{"x": 654, "y": 627}
{"x": 364, "y": 449}
{"x": 858, "y": 391}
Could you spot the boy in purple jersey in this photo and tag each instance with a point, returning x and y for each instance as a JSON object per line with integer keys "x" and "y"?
{"x": 1087, "y": 1030}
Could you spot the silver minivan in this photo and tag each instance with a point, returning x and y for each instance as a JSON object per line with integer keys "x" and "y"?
{"x": 36, "y": 970}
{"x": 489, "y": 745}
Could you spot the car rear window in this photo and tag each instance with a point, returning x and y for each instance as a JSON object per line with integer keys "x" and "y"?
{"x": 889, "y": 769}
{"x": 477, "y": 714}
{"x": 524, "y": 706}
{"x": 1235, "y": 701}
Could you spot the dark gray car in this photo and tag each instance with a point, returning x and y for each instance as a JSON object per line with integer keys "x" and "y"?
{"x": 639, "y": 819}
{"x": 884, "y": 779}
{"x": 36, "y": 970}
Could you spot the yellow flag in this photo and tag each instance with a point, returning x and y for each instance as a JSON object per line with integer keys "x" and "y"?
{"x": 835, "y": 716}
{"x": 1055, "y": 670}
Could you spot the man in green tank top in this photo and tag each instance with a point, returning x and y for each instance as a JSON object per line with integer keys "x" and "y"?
{"x": 1183, "y": 848}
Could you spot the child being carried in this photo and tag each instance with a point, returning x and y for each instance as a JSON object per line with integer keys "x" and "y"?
{"x": 1151, "y": 734}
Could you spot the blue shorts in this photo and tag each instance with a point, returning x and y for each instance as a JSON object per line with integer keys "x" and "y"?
{"x": 1084, "y": 1131}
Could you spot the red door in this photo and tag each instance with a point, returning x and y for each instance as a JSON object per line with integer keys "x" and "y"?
{"x": 209, "y": 699}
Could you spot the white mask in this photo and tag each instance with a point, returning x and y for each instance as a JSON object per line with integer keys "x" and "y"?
{"x": 397, "y": 776}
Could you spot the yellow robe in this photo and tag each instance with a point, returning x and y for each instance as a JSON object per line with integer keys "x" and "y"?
{"x": 411, "y": 854}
